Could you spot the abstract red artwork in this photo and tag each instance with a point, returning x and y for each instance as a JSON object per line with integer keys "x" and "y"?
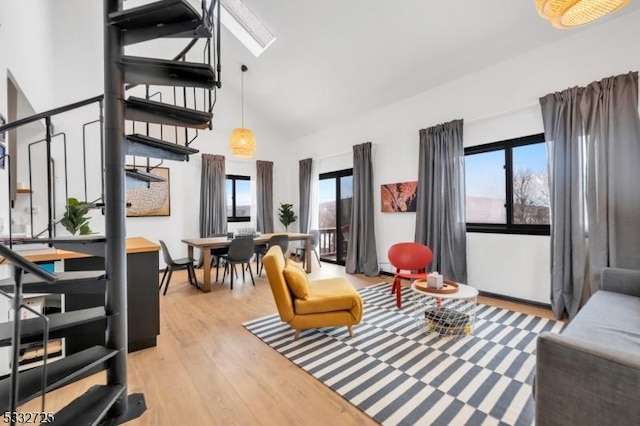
{"x": 399, "y": 197}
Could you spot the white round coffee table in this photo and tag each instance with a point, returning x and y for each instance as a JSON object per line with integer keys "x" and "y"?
{"x": 447, "y": 314}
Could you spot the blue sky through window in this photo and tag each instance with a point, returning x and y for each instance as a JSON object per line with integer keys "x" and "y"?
{"x": 532, "y": 157}
{"x": 484, "y": 172}
{"x": 327, "y": 189}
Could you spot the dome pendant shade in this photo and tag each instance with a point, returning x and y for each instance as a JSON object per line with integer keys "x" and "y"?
{"x": 242, "y": 143}
{"x": 571, "y": 13}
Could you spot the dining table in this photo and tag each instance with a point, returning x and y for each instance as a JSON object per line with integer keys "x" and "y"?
{"x": 206, "y": 244}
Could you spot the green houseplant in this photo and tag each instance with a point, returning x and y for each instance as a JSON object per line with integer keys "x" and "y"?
{"x": 75, "y": 218}
{"x": 287, "y": 215}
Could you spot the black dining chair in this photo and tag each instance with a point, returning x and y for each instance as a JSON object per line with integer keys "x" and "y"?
{"x": 241, "y": 251}
{"x": 302, "y": 251}
{"x": 176, "y": 265}
{"x": 281, "y": 240}
{"x": 218, "y": 254}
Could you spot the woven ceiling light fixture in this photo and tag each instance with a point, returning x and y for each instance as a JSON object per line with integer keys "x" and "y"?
{"x": 571, "y": 13}
{"x": 242, "y": 141}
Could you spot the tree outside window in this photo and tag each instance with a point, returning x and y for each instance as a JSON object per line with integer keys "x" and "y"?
{"x": 508, "y": 187}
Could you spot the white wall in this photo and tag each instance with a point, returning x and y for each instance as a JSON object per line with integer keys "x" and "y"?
{"x": 79, "y": 74}
{"x": 27, "y": 50}
{"x": 27, "y": 57}
{"x": 30, "y": 33}
{"x": 73, "y": 72}
{"x": 497, "y": 103}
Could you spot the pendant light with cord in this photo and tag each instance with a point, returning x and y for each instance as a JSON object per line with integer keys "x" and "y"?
{"x": 242, "y": 142}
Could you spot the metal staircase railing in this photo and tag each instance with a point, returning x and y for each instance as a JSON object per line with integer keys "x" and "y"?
{"x": 47, "y": 117}
{"x": 21, "y": 265}
{"x": 164, "y": 18}
{"x": 182, "y": 135}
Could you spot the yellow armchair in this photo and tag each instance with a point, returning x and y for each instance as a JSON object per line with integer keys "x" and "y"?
{"x": 322, "y": 303}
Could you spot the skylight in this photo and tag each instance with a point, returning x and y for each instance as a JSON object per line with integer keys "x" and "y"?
{"x": 246, "y": 26}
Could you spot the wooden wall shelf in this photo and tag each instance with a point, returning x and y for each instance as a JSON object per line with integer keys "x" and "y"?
{"x": 23, "y": 191}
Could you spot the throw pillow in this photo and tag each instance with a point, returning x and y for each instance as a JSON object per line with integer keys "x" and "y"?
{"x": 297, "y": 280}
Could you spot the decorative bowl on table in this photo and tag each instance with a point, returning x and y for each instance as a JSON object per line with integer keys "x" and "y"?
{"x": 448, "y": 287}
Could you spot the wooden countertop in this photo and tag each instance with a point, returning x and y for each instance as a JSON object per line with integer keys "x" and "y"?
{"x": 134, "y": 245}
{"x": 141, "y": 245}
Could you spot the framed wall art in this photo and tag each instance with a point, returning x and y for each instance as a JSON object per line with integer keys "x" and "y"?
{"x": 152, "y": 199}
{"x": 399, "y": 197}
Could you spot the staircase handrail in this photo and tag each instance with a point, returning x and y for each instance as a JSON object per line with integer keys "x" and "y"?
{"x": 208, "y": 15}
{"x": 50, "y": 113}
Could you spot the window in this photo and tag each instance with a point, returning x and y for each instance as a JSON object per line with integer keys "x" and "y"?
{"x": 507, "y": 187}
{"x": 238, "y": 190}
{"x": 335, "y": 199}
{"x": 246, "y": 26}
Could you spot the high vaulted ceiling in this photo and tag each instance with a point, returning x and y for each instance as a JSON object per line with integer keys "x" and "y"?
{"x": 336, "y": 59}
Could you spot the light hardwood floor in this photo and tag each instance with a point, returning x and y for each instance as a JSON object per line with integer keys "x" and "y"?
{"x": 208, "y": 370}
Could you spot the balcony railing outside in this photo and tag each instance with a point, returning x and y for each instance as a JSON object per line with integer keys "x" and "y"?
{"x": 328, "y": 238}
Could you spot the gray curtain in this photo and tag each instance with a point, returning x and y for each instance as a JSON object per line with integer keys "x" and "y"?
{"x": 264, "y": 195}
{"x": 609, "y": 110}
{"x": 440, "y": 214}
{"x": 305, "y": 194}
{"x": 593, "y": 138}
{"x": 362, "y": 256}
{"x": 566, "y": 151}
{"x": 213, "y": 204}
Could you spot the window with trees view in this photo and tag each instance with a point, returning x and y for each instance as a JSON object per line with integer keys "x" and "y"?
{"x": 507, "y": 188}
{"x": 238, "y": 194}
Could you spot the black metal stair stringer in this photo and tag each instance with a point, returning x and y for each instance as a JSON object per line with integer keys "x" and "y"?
{"x": 74, "y": 282}
{"x": 139, "y": 109}
{"x": 147, "y": 146}
{"x": 88, "y": 244}
{"x": 165, "y": 72}
{"x": 60, "y": 325}
{"x": 143, "y": 176}
{"x": 59, "y": 373}
{"x": 159, "y": 19}
{"x": 90, "y": 408}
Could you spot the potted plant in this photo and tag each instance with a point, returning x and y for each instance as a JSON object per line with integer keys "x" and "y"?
{"x": 287, "y": 215}
{"x": 75, "y": 218}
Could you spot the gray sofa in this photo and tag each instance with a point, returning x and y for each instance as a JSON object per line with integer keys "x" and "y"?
{"x": 590, "y": 373}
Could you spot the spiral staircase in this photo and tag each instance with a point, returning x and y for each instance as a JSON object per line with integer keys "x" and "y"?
{"x": 111, "y": 403}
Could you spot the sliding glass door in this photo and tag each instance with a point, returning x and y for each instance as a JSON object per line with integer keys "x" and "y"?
{"x": 335, "y": 197}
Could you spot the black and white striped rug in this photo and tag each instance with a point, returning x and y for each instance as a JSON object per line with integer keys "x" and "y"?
{"x": 399, "y": 376}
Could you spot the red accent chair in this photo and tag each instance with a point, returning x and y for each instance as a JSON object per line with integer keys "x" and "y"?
{"x": 413, "y": 258}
